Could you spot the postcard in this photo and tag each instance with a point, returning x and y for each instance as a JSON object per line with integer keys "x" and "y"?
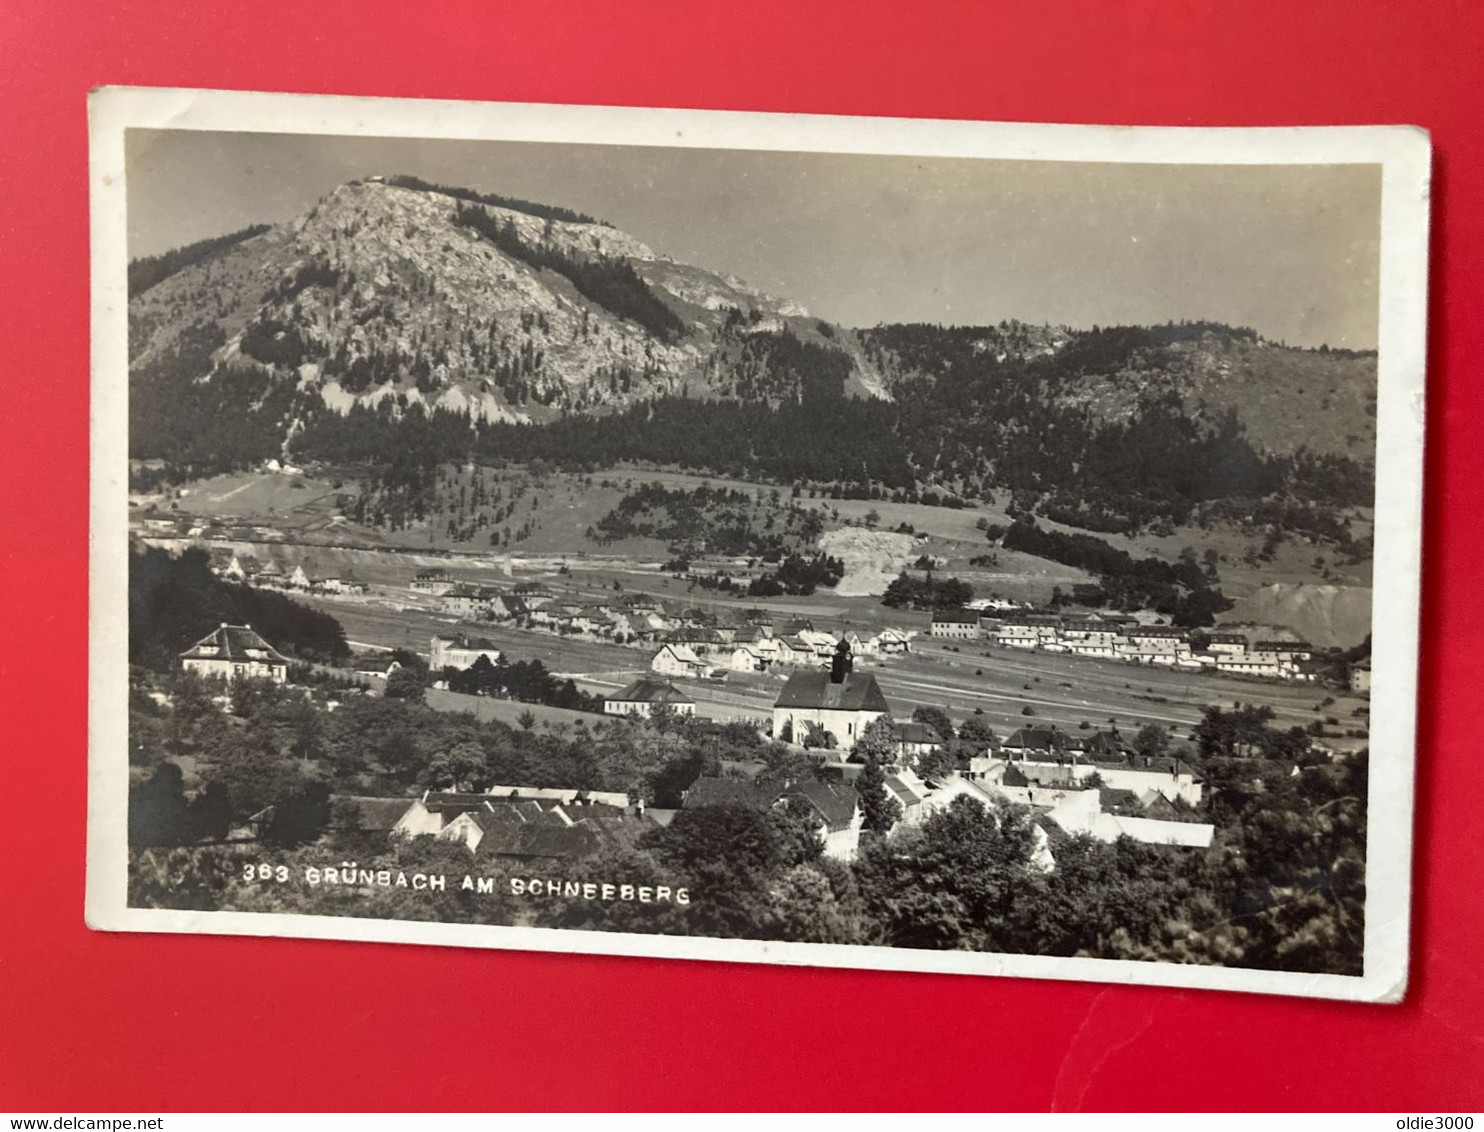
{"x": 958, "y": 547}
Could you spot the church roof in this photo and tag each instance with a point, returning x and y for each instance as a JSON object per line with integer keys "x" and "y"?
{"x": 858, "y": 691}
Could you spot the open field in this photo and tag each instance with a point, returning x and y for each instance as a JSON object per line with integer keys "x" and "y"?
{"x": 486, "y": 708}
{"x": 546, "y": 516}
{"x": 963, "y": 678}
{"x": 1066, "y": 691}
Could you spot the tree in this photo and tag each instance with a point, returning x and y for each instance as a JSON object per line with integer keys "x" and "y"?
{"x": 299, "y": 816}
{"x": 936, "y": 764}
{"x": 463, "y": 767}
{"x": 526, "y": 719}
{"x": 976, "y": 730}
{"x": 786, "y": 763}
{"x": 878, "y": 740}
{"x": 817, "y": 736}
{"x": 964, "y": 878}
{"x": 803, "y": 907}
{"x": 406, "y": 684}
{"x": 210, "y": 813}
{"x": 1152, "y": 740}
{"x": 158, "y": 815}
{"x": 881, "y": 811}
{"x": 936, "y": 718}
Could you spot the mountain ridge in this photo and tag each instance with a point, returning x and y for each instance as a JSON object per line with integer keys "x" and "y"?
{"x": 390, "y": 293}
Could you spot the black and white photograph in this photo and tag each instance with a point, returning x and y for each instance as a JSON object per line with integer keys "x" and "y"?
{"x": 929, "y": 546}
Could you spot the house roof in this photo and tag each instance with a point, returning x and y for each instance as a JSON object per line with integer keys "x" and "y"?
{"x": 523, "y": 811}
{"x": 647, "y": 691}
{"x": 915, "y": 733}
{"x": 1039, "y": 739}
{"x": 234, "y": 643}
{"x": 857, "y": 692}
{"x": 955, "y": 617}
{"x": 713, "y": 791}
{"x": 449, "y": 802}
{"x": 459, "y": 641}
{"x": 682, "y": 653}
{"x": 835, "y": 804}
{"x": 1106, "y": 743}
{"x": 374, "y": 815}
{"x": 1112, "y": 798}
{"x": 558, "y": 842}
{"x": 1160, "y": 764}
{"x": 904, "y": 792}
{"x": 694, "y": 635}
{"x": 373, "y": 663}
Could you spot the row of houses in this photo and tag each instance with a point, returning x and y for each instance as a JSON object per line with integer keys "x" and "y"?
{"x": 835, "y": 807}
{"x": 700, "y": 654}
{"x": 693, "y": 643}
{"x": 1118, "y": 637}
{"x": 1048, "y": 756}
{"x": 522, "y": 824}
{"x": 249, "y": 570}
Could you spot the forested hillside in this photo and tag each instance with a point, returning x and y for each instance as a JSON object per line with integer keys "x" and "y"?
{"x": 175, "y": 600}
{"x": 399, "y": 325}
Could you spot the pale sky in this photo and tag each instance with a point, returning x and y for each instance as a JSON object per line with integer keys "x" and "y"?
{"x": 1289, "y": 250}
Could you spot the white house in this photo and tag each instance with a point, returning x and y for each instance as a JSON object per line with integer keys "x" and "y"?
{"x": 460, "y": 652}
{"x": 955, "y": 623}
{"x": 678, "y": 660}
{"x": 749, "y": 658}
{"x": 242, "y": 568}
{"x": 1253, "y": 664}
{"x": 1227, "y": 643}
{"x": 1170, "y": 776}
{"x": 911, "y": 793}
{"x": 836, "y": 806}
{"x": 823, "y": 644}
{"x": 235, "y": 652}
{"x": 1082, "y": 812}
{"x": 1155, "y": 645}
{"x": 915, "y": 740}
{"x": 893, "y": 642}
{"x": 643, "y": 696}
{"x": 468, "y": 601}
{"x": 435, "y": 581}
{"x": 1018, "y": 635}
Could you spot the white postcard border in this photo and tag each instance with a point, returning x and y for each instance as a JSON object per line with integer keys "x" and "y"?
{"x": 1405, "y": 156}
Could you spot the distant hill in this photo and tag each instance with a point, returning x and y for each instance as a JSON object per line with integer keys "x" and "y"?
{"x": 406, "y": 323}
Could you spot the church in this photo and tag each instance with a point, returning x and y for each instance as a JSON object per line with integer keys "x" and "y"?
{"x": 841, "y": 701}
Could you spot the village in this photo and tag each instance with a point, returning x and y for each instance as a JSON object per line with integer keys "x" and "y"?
{"x": 840, "y": 722}
{"x": 797, "y": 683}
{"x": 698, "y": 644}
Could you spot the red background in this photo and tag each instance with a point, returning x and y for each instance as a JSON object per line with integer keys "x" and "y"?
{"x": 116, "y": 1022}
